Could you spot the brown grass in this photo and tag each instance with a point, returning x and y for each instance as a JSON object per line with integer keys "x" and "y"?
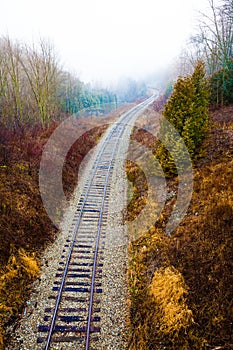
{"x": 197, "y": 258}
{"x": 25, "y": 228}
{"x": 15, "y": 279}
{"x": 139, "y": 190}
{"x": 169, "y": 291}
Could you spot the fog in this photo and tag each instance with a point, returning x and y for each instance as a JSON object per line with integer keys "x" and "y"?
{"x": 105, "y": 40}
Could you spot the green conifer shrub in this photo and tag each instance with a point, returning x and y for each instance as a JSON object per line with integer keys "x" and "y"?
{"x": 187, "y": 110}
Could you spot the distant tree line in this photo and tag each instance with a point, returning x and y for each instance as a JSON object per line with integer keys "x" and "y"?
{"x": 75, "y": 96}
{"x": 130, "y": 90}
{"x": 35, "y": 89}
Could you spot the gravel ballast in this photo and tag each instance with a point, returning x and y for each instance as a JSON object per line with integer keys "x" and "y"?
{"x": 114, "y": 311}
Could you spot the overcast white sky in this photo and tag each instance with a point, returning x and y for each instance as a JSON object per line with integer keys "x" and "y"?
{"x": 104, "y": 39}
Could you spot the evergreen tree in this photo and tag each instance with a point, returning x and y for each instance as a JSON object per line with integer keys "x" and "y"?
{"x": 221, "y": 85}
{"x": 187, "y": 111}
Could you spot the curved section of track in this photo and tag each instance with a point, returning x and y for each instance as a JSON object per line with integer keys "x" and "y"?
{"x": 75, "y": 317}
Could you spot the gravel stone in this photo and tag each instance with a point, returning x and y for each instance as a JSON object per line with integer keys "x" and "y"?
{"x": 114, "y": 311}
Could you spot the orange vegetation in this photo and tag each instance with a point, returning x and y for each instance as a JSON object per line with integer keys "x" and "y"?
{"x": 190, "y": 272}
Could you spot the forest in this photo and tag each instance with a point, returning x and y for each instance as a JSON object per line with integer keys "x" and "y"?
{"x": 180, "y": 286}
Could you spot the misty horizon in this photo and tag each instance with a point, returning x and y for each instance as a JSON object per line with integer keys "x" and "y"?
{"x": 105, "y": 42}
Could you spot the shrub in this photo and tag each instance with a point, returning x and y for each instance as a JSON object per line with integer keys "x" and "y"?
{"x": 187, "y": 111}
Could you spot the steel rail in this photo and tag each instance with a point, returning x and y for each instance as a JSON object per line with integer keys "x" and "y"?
{"x": 124, "y": 117}
{"x": 97, "y": 243}
{"x": 58, "y": 300}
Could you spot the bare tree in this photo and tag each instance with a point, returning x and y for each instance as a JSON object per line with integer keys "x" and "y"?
{"x": 185, "y": 63}
{"x": 3, "y": 81}
{"x": 42, "y": 71}
{"x": 11, "y": 82}
{"x": 69, "y": 93}
{"x": 215, "y": 37}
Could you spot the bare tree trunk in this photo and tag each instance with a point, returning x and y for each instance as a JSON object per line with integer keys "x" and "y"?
{"x": 42, "y": 72}
{"x": 11, "y": 81}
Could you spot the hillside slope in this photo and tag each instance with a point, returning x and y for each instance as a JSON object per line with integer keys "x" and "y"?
{"x": 194, "y": 264}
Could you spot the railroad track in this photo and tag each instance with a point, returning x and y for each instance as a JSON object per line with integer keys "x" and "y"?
{"x": 75, "y": 317}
